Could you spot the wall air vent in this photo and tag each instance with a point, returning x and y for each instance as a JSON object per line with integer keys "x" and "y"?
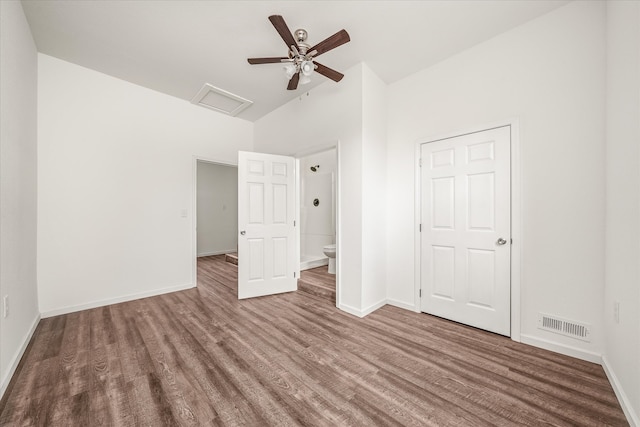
{"x": 220, "y": 100}
{"x": 570, "y": 328}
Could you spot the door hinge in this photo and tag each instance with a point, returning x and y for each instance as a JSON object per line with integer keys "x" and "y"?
{"x": 511, "y": 241}
{"x": 420, "y": 228}
{"x": 420, "y": 162}
{"x": 294, "y": 274}
{"x": 420, "y": 293}
{"x": 294, "y": 223}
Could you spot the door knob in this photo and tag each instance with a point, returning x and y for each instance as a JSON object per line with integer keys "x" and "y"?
{"x": 501, "y": 241}
{"x": 243, "y": 232}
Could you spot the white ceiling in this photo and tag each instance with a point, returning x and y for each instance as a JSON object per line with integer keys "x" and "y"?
{"x": 176, "y": 46}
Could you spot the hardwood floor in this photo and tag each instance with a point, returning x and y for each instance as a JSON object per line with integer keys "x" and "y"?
{"x": 318, "y": 282}
{"x": 201, "y": 357}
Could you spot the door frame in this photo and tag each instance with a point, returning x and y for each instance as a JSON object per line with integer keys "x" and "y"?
{"x": 516, "y": 215}
{"x": 304, "y": 153}
{"x": 194, "y": 209}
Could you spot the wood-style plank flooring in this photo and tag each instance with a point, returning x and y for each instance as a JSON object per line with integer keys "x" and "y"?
{"x": 200, "y": 357}
{"x": 317, "y": 281}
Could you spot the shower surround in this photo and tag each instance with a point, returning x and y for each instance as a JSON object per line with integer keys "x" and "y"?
{"x": 317, "y": 207}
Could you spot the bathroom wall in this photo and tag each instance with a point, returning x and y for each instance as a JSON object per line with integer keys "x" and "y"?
{"x": 217, "y": 209}
{"x": 317, "y": 223}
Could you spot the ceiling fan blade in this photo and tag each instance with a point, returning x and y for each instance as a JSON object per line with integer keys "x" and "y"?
{"x": 266, "y": 60}
{"x": 328, "y": 72}
{"x": 338, "y": 39}
{"x": 293, "y": 83}
{"x": 283, "y": 30}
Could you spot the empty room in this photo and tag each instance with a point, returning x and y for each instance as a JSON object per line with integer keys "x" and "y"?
{"x": 320, "y": 213}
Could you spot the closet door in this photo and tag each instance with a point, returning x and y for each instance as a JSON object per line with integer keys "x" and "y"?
{"x": 466, "y": 229}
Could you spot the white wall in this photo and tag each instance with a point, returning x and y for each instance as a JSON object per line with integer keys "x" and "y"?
{"x": 331, "y": 112}
{"x": 548, "y": 73}
{"x": 622, "y": 349}
{"x": 317, "y": 223}
{"x": 353, "y": 112}
{"x": 115, "y": 177}
{"x": 374, "y": 189}
{"x": 217, "y": 204}
{"x": 18, "y": 175}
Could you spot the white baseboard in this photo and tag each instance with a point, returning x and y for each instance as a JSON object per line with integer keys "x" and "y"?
{"x": 109, "y": 301}
{"x": 401, "y": 304}
{"x": 362, "y": 313}
{"x": 374, "y": 307}
{"x": 17, "y": 356}
{"x": 306, "y": 265}
{"x": 625, "y": 403}
{"x": 351, "y": 310}
{"x": 223, "y": 252}
{"x": 567, "y": 350}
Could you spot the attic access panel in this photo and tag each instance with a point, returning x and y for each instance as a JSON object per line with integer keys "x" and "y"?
{"x": 220, "y": 100}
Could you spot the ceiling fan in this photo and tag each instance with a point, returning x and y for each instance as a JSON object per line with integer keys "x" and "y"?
{"x": 301, "y": 63}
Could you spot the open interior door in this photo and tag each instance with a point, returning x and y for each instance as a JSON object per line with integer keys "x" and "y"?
{"x": 266, "y": 213}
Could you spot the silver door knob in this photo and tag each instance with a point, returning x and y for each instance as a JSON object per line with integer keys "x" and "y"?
{"x": 243, "y": 232}
{"x": 501, "y": 241}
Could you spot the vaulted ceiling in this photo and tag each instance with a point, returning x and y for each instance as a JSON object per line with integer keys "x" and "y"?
{"x": 175, "y": 47}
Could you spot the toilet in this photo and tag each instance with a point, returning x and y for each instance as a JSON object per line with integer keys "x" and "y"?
{"x": 330, "y": 251}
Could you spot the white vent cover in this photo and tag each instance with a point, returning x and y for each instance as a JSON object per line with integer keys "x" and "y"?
{"x": 220, "y": 100}
{"x": 570, "y": 328}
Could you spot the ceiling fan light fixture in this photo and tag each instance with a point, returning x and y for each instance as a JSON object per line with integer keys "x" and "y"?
{"x": 290, "y": 70}
{"x": 304, "y": 79}
{"x": 307, "y": 68}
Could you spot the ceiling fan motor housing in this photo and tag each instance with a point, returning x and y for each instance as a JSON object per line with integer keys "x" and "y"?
{"x": 301, "y": 37}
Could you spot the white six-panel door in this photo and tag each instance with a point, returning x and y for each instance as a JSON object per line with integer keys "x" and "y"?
{"x": 266, "y": 213}
{"x": 466, "y": 223}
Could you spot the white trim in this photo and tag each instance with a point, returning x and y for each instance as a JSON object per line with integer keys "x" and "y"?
{"x": 222, "y": 252}
{"x": 307, "y": 265}
{"x": 516, "y": 215}
{"x": 516, "y": 230}
{"x": 15, "y": 360}
{"x": 338, "y": 221}
{"x": 351, "y": 310}
{"x": 194, "y": 209}
{"x": 565, "y": 349}
{"x": 374, "y": 307}
{"x": 362, "y": 313}
{"x": 623, "y": 399}
{"x": 417, "y": 249}
{"x": 110, "y": 301}
{"x": 404, "y": 305}
{"x": 298, "y": 192}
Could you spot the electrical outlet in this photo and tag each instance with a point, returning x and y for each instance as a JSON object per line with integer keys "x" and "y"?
{"x": 5, "y": 306}
{"x": 616, "y": 311}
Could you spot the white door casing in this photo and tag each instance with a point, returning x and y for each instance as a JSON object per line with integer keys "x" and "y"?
{"x": 466, "y": 222}
{"x": 266, "y": 214}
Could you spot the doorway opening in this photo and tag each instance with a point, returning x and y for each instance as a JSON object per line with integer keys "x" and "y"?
{"x": 317, "y": 213}
{"x": 216, "y": 211}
